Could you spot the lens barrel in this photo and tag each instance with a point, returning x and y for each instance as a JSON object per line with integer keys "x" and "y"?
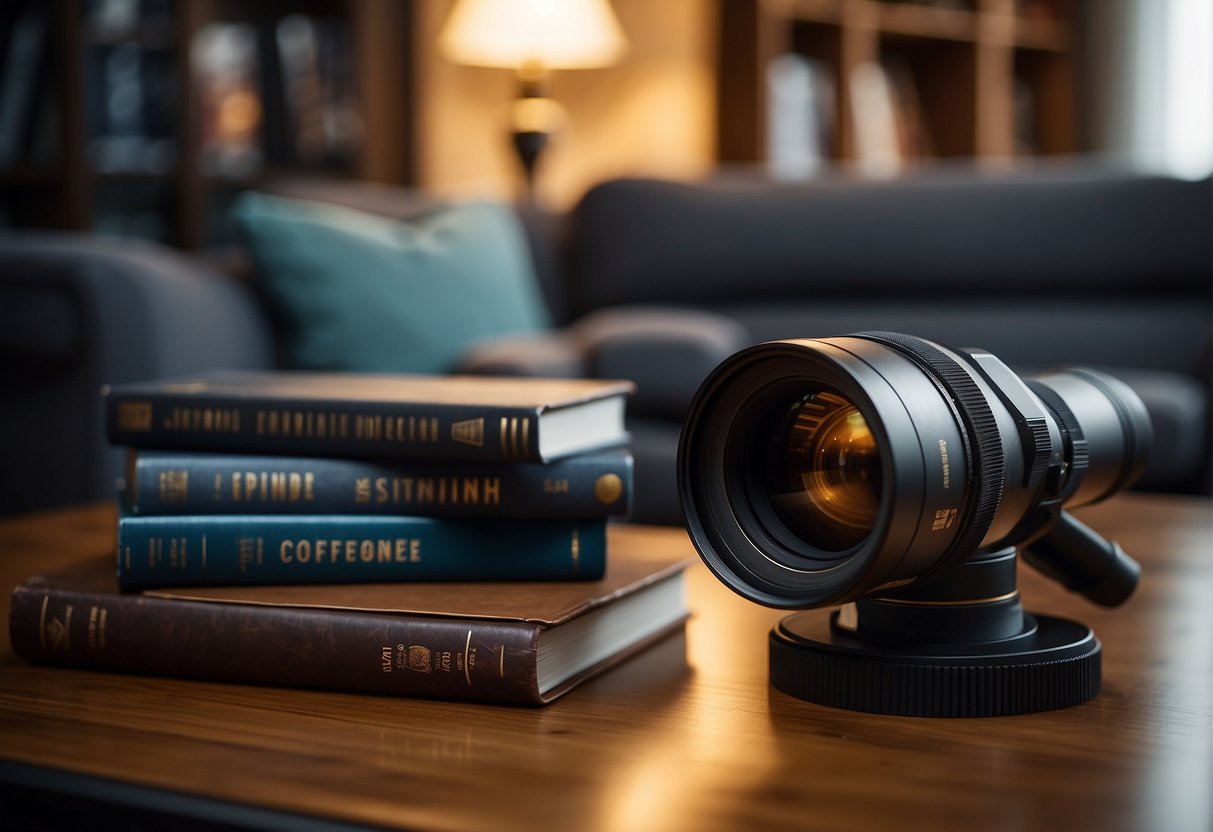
{"x": 820, "y": 471}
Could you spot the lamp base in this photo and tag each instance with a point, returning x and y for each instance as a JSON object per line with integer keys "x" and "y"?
{"x": 529, "y": 144}
{"x": 533, "y": 119}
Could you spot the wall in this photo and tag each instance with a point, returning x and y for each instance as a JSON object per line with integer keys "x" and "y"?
{"x": 651, "y": 114}
{"x": 1149, "y": 77}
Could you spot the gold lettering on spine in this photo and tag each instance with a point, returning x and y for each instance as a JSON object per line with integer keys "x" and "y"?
{"x": 174, "y": 486}
{"x": 575, "y": 550}
{"x": 350, "y": 550}
{"x": 203, "y": 419}
{"x": 407, "y": 491}
{"x": 42, "y": 622}
{"x": 249, "y": 552}
{"x": 135, "y": 417}
{"x": 515, "y": 440}
{"x": 93, "y": 623}
{"x": 526, "y": 437}
{"x": 469, "y": 432}
{"x": 97, "y": 618}
{"x": 306, "y": 424}
{"x": 467, "y": 652}
{"x": 273, "y": 486}
{"x": 316, "y": 424}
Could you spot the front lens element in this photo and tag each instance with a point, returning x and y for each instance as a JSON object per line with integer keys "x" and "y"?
{"x": 824, "y": 472}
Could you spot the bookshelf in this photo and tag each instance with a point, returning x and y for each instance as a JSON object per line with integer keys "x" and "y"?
{"x": 143, "y": 118}
{"x": 991, "y": 79}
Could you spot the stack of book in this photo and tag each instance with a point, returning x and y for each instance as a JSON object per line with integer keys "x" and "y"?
{"x": 369, "y": 532}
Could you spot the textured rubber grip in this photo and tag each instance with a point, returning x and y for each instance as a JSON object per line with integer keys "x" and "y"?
{"x": 988, "y": 470}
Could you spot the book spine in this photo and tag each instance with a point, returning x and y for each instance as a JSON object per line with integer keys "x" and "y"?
{"x": 341, "y": 428}
{"x": 587, "y": 486}
{"x": 371, "y": 652}
{"x": 199, "y": 550}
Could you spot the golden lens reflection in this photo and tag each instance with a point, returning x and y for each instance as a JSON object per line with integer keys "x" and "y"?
{"x": 830, "y": 495}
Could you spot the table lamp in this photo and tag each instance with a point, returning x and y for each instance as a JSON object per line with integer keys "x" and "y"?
{"x": 533, "y": 37}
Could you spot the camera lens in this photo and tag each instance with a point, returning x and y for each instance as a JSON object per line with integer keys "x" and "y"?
{"x": 821, "y": 471}
{"x": 823, "y": 475}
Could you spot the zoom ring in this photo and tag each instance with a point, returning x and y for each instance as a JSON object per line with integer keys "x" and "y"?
{"x": 981, "y": 430}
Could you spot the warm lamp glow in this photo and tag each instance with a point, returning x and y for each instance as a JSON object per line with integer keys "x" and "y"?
{"x": 533, "y": 34}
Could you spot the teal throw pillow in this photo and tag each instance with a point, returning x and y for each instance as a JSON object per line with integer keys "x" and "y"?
{"x": 361, "y": 292}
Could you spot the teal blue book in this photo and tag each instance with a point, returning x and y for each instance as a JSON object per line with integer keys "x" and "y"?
{"x": 596, "y": 484}
{"x": 225, "y": 550}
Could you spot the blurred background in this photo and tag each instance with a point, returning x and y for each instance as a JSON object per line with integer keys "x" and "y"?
{"x": 144, "y": 118}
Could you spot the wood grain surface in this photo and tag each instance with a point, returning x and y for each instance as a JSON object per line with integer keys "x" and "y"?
{"x": 687, "y": 736}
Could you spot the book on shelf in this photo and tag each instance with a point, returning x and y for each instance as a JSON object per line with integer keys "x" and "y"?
{"x": 800, "y": 116}
{"x": 224, "y": 60}
{"x": 321, "y": 120}
{"x": 519, "y": 643}
{"x": 891, "y": 131}
{"x": 370, "y": 415}
{"x": 594, "y": 484}
{"x": 25, "y": 35}
{"x": 878, "y": 148}
{"x": 219, "y": 549}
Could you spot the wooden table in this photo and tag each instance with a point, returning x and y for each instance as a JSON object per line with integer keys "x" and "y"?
{"x": 687, "y": 736}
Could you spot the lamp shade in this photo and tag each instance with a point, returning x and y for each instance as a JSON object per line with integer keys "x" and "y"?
{"x": 534, "y": 34}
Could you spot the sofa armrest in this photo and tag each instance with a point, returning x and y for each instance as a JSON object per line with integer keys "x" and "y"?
{"x": 78, "y": 312}
{"x": 666, "y": 352}
{"x": 552, "y": 354}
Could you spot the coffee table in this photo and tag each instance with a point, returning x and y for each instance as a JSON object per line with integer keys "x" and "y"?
{"x": 688, "y": 735}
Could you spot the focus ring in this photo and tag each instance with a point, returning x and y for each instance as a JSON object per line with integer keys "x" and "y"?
{"x": 981, "y": 428}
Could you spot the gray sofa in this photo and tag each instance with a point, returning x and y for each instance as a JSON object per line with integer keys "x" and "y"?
{"x": 658, "y": 281}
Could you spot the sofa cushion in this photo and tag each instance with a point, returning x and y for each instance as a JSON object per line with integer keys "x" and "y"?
{"x": 357, "y": 291}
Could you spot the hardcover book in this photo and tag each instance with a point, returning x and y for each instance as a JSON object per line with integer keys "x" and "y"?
{"x": 520, "y": 643}
{"x": 596, "y": 484}
{"x": 370, "y": 415}
{"x": 217, "y": 549}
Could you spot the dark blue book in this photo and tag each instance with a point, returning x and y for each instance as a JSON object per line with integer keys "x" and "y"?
{"x": 223, "y": 549}
{"x": 179, "y": 482}
{"x": 370, "y": 415}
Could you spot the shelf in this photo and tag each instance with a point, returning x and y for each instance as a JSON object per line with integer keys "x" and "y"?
{"x": 29, "y": 175}
{"x": 928, "y": 22}
{"x": 961, "y": 73}
{"x": 77, "y": 55}
{"x": 1042, "y": 34}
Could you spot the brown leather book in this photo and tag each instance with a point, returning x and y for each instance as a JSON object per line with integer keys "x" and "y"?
{"x": 499, "y": 642}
